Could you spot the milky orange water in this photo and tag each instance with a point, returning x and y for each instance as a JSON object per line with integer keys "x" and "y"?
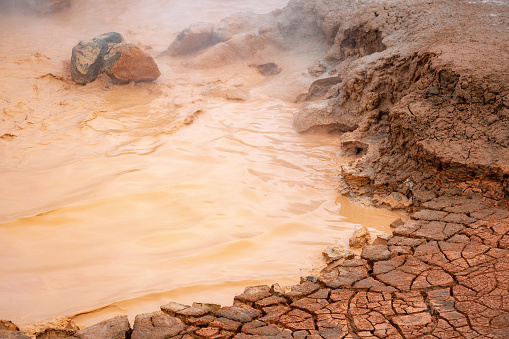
{"x": 117, "y": 199}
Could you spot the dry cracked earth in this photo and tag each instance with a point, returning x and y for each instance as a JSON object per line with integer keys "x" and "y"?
{"x": 443, "y": 274}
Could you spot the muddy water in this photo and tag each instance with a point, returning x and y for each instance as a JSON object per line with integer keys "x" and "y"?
{"x": 117, "y": 199}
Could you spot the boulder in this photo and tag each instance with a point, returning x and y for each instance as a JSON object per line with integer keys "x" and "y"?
{"x": 194, "y": 38}
{"x": 360, "y": 238}
{"x": 88, "y": 56}
{"x": 333, "y": 253}
{"x": 126, "y": 62}
{"x": 322, "y": 116}
{"x": 113, "y": 328}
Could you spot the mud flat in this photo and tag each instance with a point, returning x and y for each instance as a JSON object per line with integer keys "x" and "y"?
{"x": 420, "y": 105}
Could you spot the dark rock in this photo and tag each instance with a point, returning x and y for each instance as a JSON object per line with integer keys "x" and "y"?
{"x": 194, "y": 38}
{"x": 267, "y": 69}
{"x": 88, "y": 56}
{"x": 113, "y": 328}
{"x": 396, "y": 223}
{"x": 156, "y": 325}
{"x": 126, "y": 62}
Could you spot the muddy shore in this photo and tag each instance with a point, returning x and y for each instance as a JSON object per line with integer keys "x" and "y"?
{"x": 421, "y": 107}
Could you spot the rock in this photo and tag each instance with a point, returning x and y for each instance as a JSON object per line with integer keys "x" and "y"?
{"x": 235, "y": 93}
{"x": 267, "y": 69}
{"x": 113, "y": 328}
{"x": 317, "y": 69}
{"x": 53, "y": 333}
{"x": 320, "y": 115}
{"x": 127, "y": 62}
{"x": 333, "y": 253}
{"x": 320, "y": 89}
{"x": 360, "y": 238}
{"x": 381, "y": 239}
{"x": 396, "y": 223}
{"x": 88, "y": 56}
{"x": 156, "y": 325}
{"x": 5, "y": 334}
{"x": 8, "y": 325}
{"x": 198, "y": 36}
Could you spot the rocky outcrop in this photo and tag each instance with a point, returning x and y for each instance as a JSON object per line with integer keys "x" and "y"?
{"x": 107, "y": 53}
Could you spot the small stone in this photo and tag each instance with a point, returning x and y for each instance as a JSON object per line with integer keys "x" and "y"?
{"x": 360, "y": 238}
{"x": 127, "y": 62}
{"x": 396, "y": 223}
{"x": 333, "y": 253}
{"x": 235, "y": 93}
{"x": 113, "y": 328}
{"x": 317, "y": 68}
{"x": 53, "y": 333}
{"x": 267, "y": 69}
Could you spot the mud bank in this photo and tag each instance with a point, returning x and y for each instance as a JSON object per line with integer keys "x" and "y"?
{"x": 419, "y": 105}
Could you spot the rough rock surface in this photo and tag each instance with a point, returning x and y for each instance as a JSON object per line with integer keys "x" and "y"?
{"x": 113, "y": 328}
{"x": 360, "y": 238}
{"x": 126, "y": 62}
{"x": 88, "y": 56}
